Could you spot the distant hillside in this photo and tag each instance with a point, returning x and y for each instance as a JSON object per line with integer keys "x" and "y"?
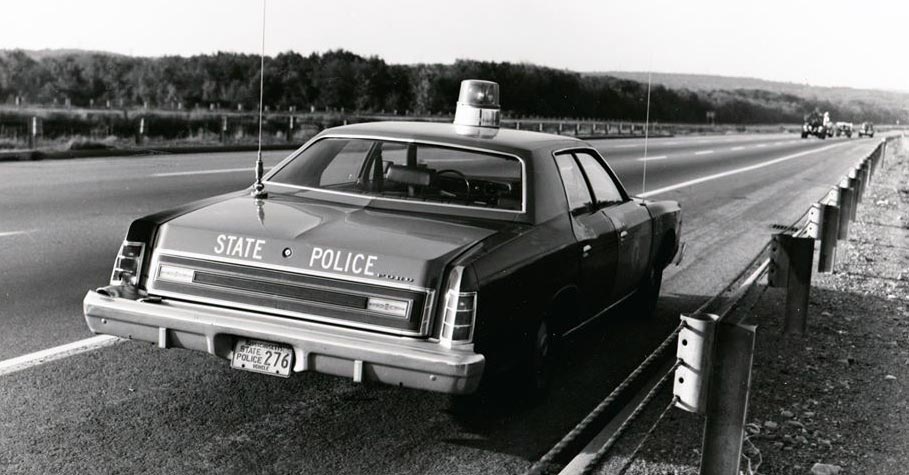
{"x": 39, "y": 54}
{"x": 840, "y": 96}
{"x": 344, "y": 81}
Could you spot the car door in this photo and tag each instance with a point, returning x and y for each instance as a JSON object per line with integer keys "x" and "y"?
{"x": 630, "y": 219}
{"x": 597, "y": 242}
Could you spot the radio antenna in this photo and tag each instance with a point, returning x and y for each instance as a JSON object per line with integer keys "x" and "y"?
{"x": 646, "y": 131}
{"x": 259, "y": 187}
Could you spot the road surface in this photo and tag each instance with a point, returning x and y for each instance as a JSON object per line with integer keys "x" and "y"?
{"x": 133, "y": 408}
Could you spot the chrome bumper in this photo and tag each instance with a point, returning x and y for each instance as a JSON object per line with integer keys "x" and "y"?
{"x": 360, "y": 355}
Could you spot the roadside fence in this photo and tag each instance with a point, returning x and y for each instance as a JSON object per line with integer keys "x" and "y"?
{"x": 30, "y": 128}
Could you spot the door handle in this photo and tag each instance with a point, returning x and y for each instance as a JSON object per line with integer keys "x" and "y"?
{"x": 623, "y": 234}
{"x": 586, "y": 250}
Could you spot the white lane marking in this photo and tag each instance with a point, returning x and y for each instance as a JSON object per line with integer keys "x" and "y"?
{"x": 761, "y": 145}
{"x": 736, "y": 171}
{"x": 629, "y": 145}
{"x": 655, "y": 157}
{"x": 737, "y": 148}
{"x": 704, "y": 152}
{"x": 58, "y": 352}
{"x": 15, "y": 233}
{"x": 207, "y": 172}
{"x": 670, "y": 143}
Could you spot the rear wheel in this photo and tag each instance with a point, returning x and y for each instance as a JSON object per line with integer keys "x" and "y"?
{"x": 542, "y": 360}
{"x": 526, "y": 383}
{"x": 645, "y": 299}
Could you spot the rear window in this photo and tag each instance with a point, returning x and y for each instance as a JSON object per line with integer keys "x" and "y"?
{"x": 408, "y": 171}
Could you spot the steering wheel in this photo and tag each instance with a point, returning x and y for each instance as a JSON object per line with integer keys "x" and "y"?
{"x": 462, "y": 176}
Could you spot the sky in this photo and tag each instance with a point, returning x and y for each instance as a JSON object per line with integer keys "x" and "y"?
{"x": 856, "y": 43}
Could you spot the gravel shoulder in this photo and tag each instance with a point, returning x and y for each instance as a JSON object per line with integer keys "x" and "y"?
{"x": 837, "y": 396}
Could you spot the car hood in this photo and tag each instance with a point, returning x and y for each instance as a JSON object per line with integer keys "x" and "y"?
{"x": 313, "y": 237}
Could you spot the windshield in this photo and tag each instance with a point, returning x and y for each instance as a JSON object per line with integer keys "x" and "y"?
{"x": 408, "y": 171}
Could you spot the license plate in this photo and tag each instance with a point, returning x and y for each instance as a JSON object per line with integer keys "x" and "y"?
{"x": 263, "y": 357}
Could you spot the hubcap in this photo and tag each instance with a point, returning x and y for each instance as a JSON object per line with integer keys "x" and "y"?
{"x": 541, "y": 356}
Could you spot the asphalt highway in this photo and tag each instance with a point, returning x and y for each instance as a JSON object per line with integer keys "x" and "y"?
{"x": 133, "y": 408}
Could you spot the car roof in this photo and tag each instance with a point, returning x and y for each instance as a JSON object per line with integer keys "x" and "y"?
{"x": 502, "y": 140}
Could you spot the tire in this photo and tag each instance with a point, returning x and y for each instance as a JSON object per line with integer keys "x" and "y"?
{"x": 648, "y": 293}
{"x": 542, "y": 360}
{"x": 804, "y": 135}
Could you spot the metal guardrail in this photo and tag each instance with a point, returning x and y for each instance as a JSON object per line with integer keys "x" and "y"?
{"x": 31, "y": 127}
{"x": 714, "y": 345}
{"x": 727, "y": 373}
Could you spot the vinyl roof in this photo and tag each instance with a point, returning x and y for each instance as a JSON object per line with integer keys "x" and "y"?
{"x": 504, "y": 140}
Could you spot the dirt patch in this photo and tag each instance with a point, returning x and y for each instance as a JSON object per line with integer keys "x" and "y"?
{"x": 839, "y": 395}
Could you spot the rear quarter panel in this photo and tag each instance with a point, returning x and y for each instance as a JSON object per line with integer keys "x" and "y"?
{"x": 667, "y": 221}
{"x": 518, "y": 280}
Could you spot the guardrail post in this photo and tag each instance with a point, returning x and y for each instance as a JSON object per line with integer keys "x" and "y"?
{"x": 695, "y": 350}
{"x": 517, "y": 125}
{"x": 223, "y": 129}
{"x": 560, "y": 128}
{"x": 883, "y": 154}
{"x": 829, "y": 227}
{"x": 857, "y": 175}
{"x": 872, "y": 161}
{"x": 33, "y": 133}
{"x": 866, "y": 166}
{"x": 140, "y": 135}
{"x": 790, "y": 267}
{"x": 727, "y": 401}
{"x": 854, "y": 186}
{"x": 862, "y": 175}
{"x": 845, "y": 201}
{"x": 541, "y": 126}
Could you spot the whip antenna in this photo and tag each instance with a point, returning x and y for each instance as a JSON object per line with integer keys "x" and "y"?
{"x": 646, "y": 132}
{"x": 259, "y": 187}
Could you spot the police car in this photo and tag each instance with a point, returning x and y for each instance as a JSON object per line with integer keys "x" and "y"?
{"x": 422, "y": 255}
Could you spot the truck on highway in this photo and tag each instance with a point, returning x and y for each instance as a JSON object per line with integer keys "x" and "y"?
{"x": 818, "y": 125}
{"x": 423, "y": 255}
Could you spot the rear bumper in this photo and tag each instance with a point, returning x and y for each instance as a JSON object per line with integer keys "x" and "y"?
{"x": 360, "y": 355}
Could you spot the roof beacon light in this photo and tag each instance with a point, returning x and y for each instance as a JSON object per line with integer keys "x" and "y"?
{"x": 478, "y": 104}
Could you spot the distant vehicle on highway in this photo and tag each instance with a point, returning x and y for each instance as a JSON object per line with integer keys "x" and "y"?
{"x": 844, "y": 128}
{"x": 422, "y": 255}
{"x": 866, "y": 129}
{"x": 818, "y": 125}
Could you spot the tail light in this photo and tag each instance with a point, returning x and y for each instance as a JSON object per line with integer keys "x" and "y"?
{"x": 460, "y": 311}
{"x": 128, "y": 264}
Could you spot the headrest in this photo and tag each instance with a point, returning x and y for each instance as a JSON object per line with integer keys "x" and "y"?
{"x": 408, "y": 176}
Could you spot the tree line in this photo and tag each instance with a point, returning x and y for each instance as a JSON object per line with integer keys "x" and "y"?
{"x": 341, "y": 80}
